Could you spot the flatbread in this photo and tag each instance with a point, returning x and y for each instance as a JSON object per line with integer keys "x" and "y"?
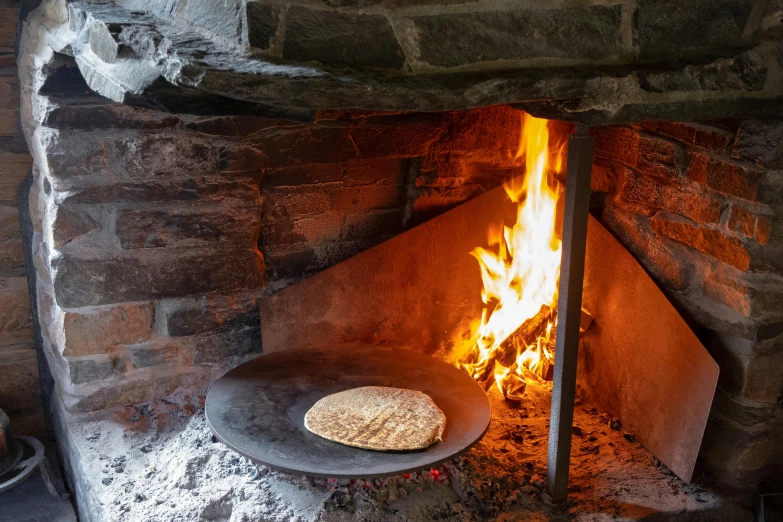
{"x": 378, "y": 418}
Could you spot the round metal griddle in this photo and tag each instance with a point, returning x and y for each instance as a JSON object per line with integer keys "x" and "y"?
{"x": 258, "y": 408}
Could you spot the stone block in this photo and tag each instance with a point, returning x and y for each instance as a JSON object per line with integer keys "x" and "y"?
{"x": 178, "y": 227}
{"x": 82, "y": 370}
{"x": 11, "y": 255}
{"x": 161, "y": 155}
{"x": 95, "y": 331}
{"x": 701, "y": 135}
{"x": 745, "y": 72}
{"x": 182, "y": 317}
{"x": 723, "y": 176}
{"x": 760, "y": 141}
{"x": 569, "y": 33}
{"x": 226, "y": 342}
{"x": 302, "y": 175}
{"x": 669, "y": 29}
{"x": 14, "y": 167}
{"x": 70, "y": 222}
{"x": 369, "y": 197}
{"x": 340, "y": 38}
{"x": 741, "y": 443}
{"x": 228, "y": 187}
{"x": 140, "y": 386}
{"x": 381, "y": 223}
{"x": 706, "y": 240}
{"x": 16, "y": 323}
{"x": 752, "y": 297}
{"x": 750, "y": 371}
{"x": 112, "y": 116}
{"x": 383, "y": 171}
{"x": 287, "y": 147}
{"x": 147, "y": 274}
{"x": 221, "y": 18}
{"x": 146, "y": 355}
{"x": 262, "y": 24}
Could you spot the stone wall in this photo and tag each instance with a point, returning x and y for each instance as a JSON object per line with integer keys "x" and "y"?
{"x": 701, "y": 207}
{"x": 20, "y": 393}
{"x": 155, "y": 234}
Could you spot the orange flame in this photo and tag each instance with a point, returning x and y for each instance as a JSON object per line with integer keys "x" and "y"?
{"x": 520, "y": 270}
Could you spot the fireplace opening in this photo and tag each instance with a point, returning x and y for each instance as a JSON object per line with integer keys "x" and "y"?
{"x": 559, "y": 223}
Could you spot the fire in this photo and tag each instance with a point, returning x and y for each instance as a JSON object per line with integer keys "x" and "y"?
{"x": 520, "y": 272}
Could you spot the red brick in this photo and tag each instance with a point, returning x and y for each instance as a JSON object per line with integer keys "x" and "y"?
{"x": 396, "y": 137}
{"x": 742, "y": 221}
{"x": 368, "y": 197}
{"x": 489, "y": 131}
{"x": 749, "y": 224}
{"x": 298, "y": 201}
{"x": 692, "y": 133}
{"x": 646, "y": 191}
{"x": 647, "y": 154}
{"x": 302, "y": 175}
{"x": 604, "y": 176}
{"x": 706, "y": 240}
{"x": 763, "y": 229}
{"x": 96, "y": 331}
{"x": 383, "y": 171}
{"x": 724, "y": 177}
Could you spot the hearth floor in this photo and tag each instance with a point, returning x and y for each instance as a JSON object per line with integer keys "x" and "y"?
{"x": 152, "y": 465}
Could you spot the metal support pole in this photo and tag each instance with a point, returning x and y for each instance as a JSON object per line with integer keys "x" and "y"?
{"x": 569, "y": 309}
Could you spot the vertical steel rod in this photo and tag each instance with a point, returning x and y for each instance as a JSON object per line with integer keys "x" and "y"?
{"x": 569, "y": 309}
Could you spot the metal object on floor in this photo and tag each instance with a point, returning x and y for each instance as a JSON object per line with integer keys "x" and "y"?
{"x": 577, "y": 199}
{"x": 258, "y": 408}
{"x": 25, "y": 468}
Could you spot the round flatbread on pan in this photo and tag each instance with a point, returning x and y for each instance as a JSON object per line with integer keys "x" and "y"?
{"x": 378, "y": 418}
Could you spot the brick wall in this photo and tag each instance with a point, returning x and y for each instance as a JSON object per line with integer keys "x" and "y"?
{"x": 700, "y": 206}
{"x": 156, "y": 235}
{"x": 19, "y": 387}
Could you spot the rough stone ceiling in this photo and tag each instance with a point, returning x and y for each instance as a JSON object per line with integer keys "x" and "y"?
{"x": 603, "y": 61}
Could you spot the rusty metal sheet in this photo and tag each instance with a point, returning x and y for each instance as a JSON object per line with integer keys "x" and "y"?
{"x": 640, "y": 361}
{"x": 417, "y": 291}
{"x": 420, "y": 290}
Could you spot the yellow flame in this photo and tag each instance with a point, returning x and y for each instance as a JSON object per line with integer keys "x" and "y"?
{"x": 521, "y": 268}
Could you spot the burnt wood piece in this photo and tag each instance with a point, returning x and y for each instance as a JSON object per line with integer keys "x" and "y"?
{"x": 525, "y": 335}
{"x": 569, "y": 305}
{"x": 258, "y": 408}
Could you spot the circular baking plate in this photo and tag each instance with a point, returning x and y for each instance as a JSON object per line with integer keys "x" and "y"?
{"x": 258, "y": 408}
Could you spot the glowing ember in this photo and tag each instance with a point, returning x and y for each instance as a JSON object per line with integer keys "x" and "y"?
{"x": 520, "y": 273}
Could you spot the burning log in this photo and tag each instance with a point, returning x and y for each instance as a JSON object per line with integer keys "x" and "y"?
{"x": 525, "y": 335}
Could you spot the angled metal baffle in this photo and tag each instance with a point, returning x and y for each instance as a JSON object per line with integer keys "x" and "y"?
{"x": 569, "y": 305}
